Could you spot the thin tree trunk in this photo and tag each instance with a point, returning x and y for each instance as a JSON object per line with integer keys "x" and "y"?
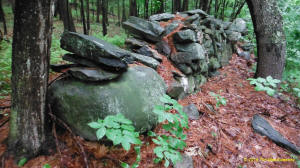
{"x": 146, "y": 9}
{"x": 239, "y": 7}
{"x": 123, "y": 11}
{"x": 104, "y": 16}
{"x": 132, "y": 8}
{"x": 88, "y": 16}
{"x": 30, "y": 67}
{"x": 185, "y": 5}
{"x": 66, "y": 16}
{"x": 270, "y": 37}
{"x": 83, "y": 17}
{"x": 2, "y": 18}
{"x": 162, "y": 7}
{"x": 98, "y": 11}
{"x": 119, "y": 13}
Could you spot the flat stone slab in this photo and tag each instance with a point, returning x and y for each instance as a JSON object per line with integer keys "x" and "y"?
{"x": 196, "y": 11}
{"x": 92, "y": 74}
{"x": 162, "y": 17}
{"x": 262, "y": 126}
{"x": 142, "y": 29}
{"x": 95, "y": 50}
{"x": 151, "y": 62}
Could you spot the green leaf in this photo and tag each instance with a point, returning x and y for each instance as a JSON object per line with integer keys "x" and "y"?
{"x": 165, "y": 99}
{"x": 95, "y": 125}
{"x": 125, "y": 144}
{"x": 100, "y": 132}
{"x": 261, "y": 80}
{"x": 167, "y": 163}
{"x": 151, "y": 133}
{"x": 22, "y": 162}
{"x": 270, "y": 91}
{"x": 114, "y": 135}
{"x": 46, "y": 166}
{"x": 132, "y": 139}
{"x": 109, "y": 122}
{"x": 125, "y": 165}
{"x": 157, "y": 160}
{"x": 121, "y": 119}
{"x": 259, "y": 87}
{"x": 223, "y": 101}
{"x": 127, "y": 127}
{"x": 159, "y": 152}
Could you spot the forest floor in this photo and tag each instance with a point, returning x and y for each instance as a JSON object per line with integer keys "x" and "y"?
{"x": 222, "y": 137}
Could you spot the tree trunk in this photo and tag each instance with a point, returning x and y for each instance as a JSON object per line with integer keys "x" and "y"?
{"x": 270, "y": 37}
{"x": 87, "y": 16}
{"x": 119, "y": 13}
{"x": 104, "y": 16}
{"x": 66, "y": 15}
{"x": 205, "y": 5}
{"x": 30, "y": 66}
{"x": 98, "y": 11}
{"x": 132, "y": 8}
{"x": 162, "y": 7}
{"x": 185, "y": 5}
{"x": 83, "y": 17}
{"x": 177, "y": 6}
{"x": 123, "y": 11}
{"x": 2, "y": 18}
{"x": 146, "y": 9}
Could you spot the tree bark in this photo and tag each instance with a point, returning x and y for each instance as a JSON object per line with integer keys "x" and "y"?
{"x": 205, "y": 5}
{"x": 83, "y": 17}
{"x": 146, "y": 9}
{"x": 104, "y": 17}
{"x": 123, "y": 11}
{"x": 119, "y": 13}
{"x": 270, "y": 37}
{"x": 2, "y": 18}
{"x": 177, "y": 6}
{"x": 87, "y": 16}
{"x": 66, "y": 15}
{"x": 98, "y": 11}
{"x": 185, "y": 5}
{"x": 30, "y": 66}
{"x": 132, "y": 8}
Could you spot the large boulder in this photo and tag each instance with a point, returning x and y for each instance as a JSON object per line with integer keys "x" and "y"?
{"x": 134, "y": 94}
{"x": 185, "y": 36}
{"x": 96, "y": 50}
{"x": 144, "y": 30}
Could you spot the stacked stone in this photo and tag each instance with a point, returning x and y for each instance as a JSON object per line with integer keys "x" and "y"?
{"x": 96, "y": 60}
{"x": 203, "y": 45}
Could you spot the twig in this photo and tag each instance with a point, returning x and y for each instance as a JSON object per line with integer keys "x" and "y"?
{"x": 57, "y": 144}
{"x": 73, "y": 135}
{"x": 4, "y": 107}
{"x": 4, "y": 122}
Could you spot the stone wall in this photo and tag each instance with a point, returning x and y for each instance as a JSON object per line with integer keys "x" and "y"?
{"x": 195, "y": 42}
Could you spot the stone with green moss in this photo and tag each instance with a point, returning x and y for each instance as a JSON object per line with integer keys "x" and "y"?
{"x": 134, "y": 94}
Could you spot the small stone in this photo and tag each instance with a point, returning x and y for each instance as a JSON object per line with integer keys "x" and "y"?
{"x": 175, "y": 90}
{"x": 192, "y": 111}
{"x": 196, "y": 49}
{"x": 191, "y": 19}
{"x": 147, "y": 51}
{"x": 60, "y": 67}
{"x": 187, "y": 162}
{"x": 171, "y": 27}
{"x": 197, "y": 11}
{"x": 151, "y": 62}
{"x": 92, "y": 74}
{"x": 185, "y": 36}
{"x": 133, "y": 43}
{"x": 163, "y": 48}
{"x": 238, "y": 25}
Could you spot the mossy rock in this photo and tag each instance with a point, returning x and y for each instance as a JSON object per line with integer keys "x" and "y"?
{"x": 134, "y": 94}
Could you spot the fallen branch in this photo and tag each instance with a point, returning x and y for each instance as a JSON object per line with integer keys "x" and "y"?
{"x": 4, "y": 122}
{"x": 73, "y": 135}
{"x": 57, "y": 144}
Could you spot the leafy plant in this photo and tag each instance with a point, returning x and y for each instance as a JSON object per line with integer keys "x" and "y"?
{"x": 46, "y": 166}
{"x": 296, "y": 159}
{"x": 118, "y": 129}
{"x": 168, "y": 145}
{"x": 22, "y": 162}
{"x": 268, "y": 85}
{"x": 220, "y": 99}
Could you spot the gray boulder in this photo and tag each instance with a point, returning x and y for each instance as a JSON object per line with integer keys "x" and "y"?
{"x": 161, "y": 17}
{"x": 192, "y": 111}
{"x": 144, "y": 30}
{"x": 185, "y": 36}
{"x": 176, "y": 90}
{"x": 163, "y": 48}
{"x": 191, "y": 19}
{"x": 171, "y": 27}
{"x": 79, "y": 60}
{"x": 92, "y": 74}
{"x": 233, "y": 36}
{"x": 134, "y": 95}
{"x": 261, "y": 126}
{"x": 95, "y": 50}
